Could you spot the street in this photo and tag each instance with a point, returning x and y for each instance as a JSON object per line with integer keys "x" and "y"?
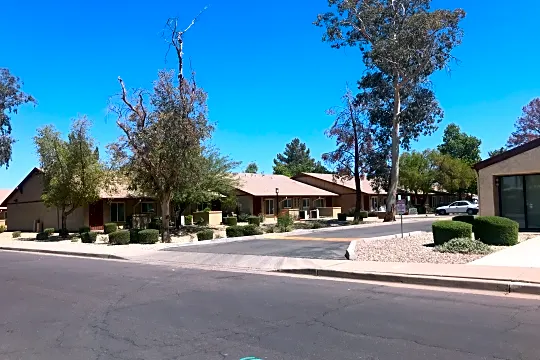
{"x": 329, "y": 245}
{"x": 57, "y": 308}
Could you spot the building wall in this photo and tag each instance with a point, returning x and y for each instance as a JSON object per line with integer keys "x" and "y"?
{"x": 346, "y": 199}
{"x": 525, "y": 163}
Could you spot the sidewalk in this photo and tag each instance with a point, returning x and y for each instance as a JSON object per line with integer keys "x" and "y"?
{"x": 525, "y": 254}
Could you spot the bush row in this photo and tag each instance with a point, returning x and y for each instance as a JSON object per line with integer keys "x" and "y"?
{"x": 246, "y": 230}
{"x": 491, "y": 230}
{"x": 207, "y": 234}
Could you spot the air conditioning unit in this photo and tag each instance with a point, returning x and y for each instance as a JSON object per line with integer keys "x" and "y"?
{"x": 314, "y": 214}
{"x": 302, "y": 214}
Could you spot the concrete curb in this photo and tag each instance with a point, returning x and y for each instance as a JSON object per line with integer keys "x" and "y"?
{"x": 449, "y": 282}
{"x": 60, "y": 252}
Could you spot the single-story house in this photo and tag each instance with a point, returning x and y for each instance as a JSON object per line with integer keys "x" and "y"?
{"x": 3, "y": 210}
{"x": 269, "y": 194}
{"x": 509, "y": 185}
{"x": 371, "y": 200}
{"x": 27, "y": 212}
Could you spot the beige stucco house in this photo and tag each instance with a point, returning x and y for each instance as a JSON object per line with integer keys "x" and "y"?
{"x": 27, "y": 212}
{"x": 269, "y": 194}
{"x": 509, "y": 185}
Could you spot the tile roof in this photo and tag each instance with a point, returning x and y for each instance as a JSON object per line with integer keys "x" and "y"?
{"x": 365, "y": 184}
{"x": 265, "y": 185}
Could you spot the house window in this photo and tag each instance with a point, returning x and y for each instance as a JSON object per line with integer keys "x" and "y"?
{"x": 269, "y": 206}
{"x": 147, "y": 207}
{"x": 118, "y": 212}
{"x": 287, "y": 203}
{"x": 305, "y": 203}
{"x": 318, "y": 203}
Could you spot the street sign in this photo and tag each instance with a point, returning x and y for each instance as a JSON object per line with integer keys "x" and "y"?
{"x": 401, "y": 207}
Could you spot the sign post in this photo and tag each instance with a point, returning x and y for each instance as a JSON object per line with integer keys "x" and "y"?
{"x": 401, "y": 209}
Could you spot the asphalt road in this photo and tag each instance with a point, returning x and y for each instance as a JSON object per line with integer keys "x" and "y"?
{"x": 317, "y": 248}
{"x": 56, "y": 308}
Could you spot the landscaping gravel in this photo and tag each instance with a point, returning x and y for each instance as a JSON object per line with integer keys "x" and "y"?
{"x": 414, "y": 249}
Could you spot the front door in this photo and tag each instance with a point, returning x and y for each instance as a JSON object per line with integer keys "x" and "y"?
{"x": 269, "y": 207}
{"x": 95, "y": 215}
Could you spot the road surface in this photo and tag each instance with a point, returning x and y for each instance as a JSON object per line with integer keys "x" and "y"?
{"x": 328, "y": 245}
{"x": 56, "y": 308}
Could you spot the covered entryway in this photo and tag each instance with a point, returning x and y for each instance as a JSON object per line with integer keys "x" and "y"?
{"x": 95, "y": 215}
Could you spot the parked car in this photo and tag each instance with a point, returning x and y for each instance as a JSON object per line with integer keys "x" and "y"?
{"x": 458, "y": 207}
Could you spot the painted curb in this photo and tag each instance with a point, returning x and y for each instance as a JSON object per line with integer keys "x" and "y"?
{"x": 60, "y": 252}
{"x": 449, "y": 282}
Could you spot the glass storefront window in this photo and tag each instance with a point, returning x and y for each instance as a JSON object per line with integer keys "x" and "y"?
{"x": 532, "y": 194}
{"x": 513, "y": 199}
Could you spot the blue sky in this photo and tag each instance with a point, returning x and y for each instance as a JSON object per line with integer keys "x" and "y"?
{"x": 268, "y": 75}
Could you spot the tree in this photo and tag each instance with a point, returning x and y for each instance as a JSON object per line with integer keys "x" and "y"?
{"x": 418, "y": 172}
{"x": 11, "y": 98}
{"x": 527, "y": 125}
{"x": 496, "y": 152}
{"x": 401, "y": 39}
{"x": 460, "y": 146}
{"x": 351, "y": 131}
{"x": 454, "y": 175}
{"x": 163, "y": 132}
{"x": 252, "y": 168}
{"x": 72, "y": 172}
{"x": 296, "y": 159}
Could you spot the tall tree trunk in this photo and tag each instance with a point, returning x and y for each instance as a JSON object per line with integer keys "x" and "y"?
{"x": 358, "y": 204}
{"x": 166, "y": 217}
{"x": 394, "y": 173}
{"x": 64, "y": 220}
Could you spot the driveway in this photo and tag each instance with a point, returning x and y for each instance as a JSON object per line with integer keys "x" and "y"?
{"x": 328, "y": 245}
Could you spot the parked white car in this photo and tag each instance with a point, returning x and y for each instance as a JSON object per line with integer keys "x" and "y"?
{"x": 458, "y": 207}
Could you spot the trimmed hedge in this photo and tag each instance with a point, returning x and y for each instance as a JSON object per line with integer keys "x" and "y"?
{"x": 2, "y": 228}
{"x": 89, "y": 237}
{"x": 110, "y": 228}
{"x": 254, "y": 220}
{"x": 134, "y": 236}
{"x": 372, "y": 214}
{"x": 234, "y": 231}
{"x": 84, "y": 229}
{"x": 469, "y": 219}
{"x": 363, "y": 214}
{"x": 495, "y": 230}
{"x": 444, "y": 231}
{"x": 49, "y": 231}
{"x": 252, "y": 229}
{"x": 148, "y": 236}
{"x": 342, "y": 217}
{"x": 42, "y": 236}
{"x": 120, "y": 237}
{"x": 230, "y": 221}
{"x": 206, "y": 234}
{"x": 16, "y": 234}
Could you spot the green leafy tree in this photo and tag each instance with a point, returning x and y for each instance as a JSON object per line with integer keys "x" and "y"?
{"x": 163, "y": 133}
{"x": 460, "y": 146}
{"x": 11, "y": 98}
{"x": 252, "y": 168}
{"x": 454, "y": 175}
{"x": 496, "y": 152}
{"x": 404, "y": 40}
{"x": 527, "y": 125}
{"x": 418, "y": 172}
{"x": 352, "y": 133}
{"x": 296, "y": 159}
{"x": 72, "y": 171}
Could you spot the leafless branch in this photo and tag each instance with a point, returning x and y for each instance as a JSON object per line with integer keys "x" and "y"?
{"x": 194, "y": 20}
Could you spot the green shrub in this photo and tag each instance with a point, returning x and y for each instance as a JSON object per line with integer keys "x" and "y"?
{"x": 342, "y": 217}
{"x": 2, "y": 228}
{"x": 234, "y": 231}
{"x": 372, "y": 214}
{"x": 464, "y": 246}
{"x": 254, "y": 220}
{"x": 42, "y": 236}
{"x": 243, "y": 217}
{"x": 49, "y": 231}
{"x": 261, "y": 218}
{"x": 444, "y": 231}
{"x": 64, "y": 233}
{"x": 252, "y": 229}
{"x": 206, "y": 234}
{"x": 189, "y": 219}
{"x": 363, "y": 214}
{"x": 495, "y": 230}
{"x": 110, "y": 228}
{"x": 317, "y": 225}
{"x": 134, "y": 236}
{"x": 16, "y": 234}
{"x": 84, "y": 229}
{"x": 120, "y": 237}
{"x": 155, "y": 224}
{"x": 148, "y": 236}
{"x": 469, "y": 219}
{"x": 89, "y": 237}
{"x": 230, "y": 221}
{"x": 285, "y": 221}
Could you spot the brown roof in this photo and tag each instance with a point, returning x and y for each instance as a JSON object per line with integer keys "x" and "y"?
{"x": 265, "y": 185}
{"x": 507, "y": 154}
{"x": 365, "y": 184}
{"x": 4, "y": 193}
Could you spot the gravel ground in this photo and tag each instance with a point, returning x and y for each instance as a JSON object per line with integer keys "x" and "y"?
{"x": 414, "y": 249}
